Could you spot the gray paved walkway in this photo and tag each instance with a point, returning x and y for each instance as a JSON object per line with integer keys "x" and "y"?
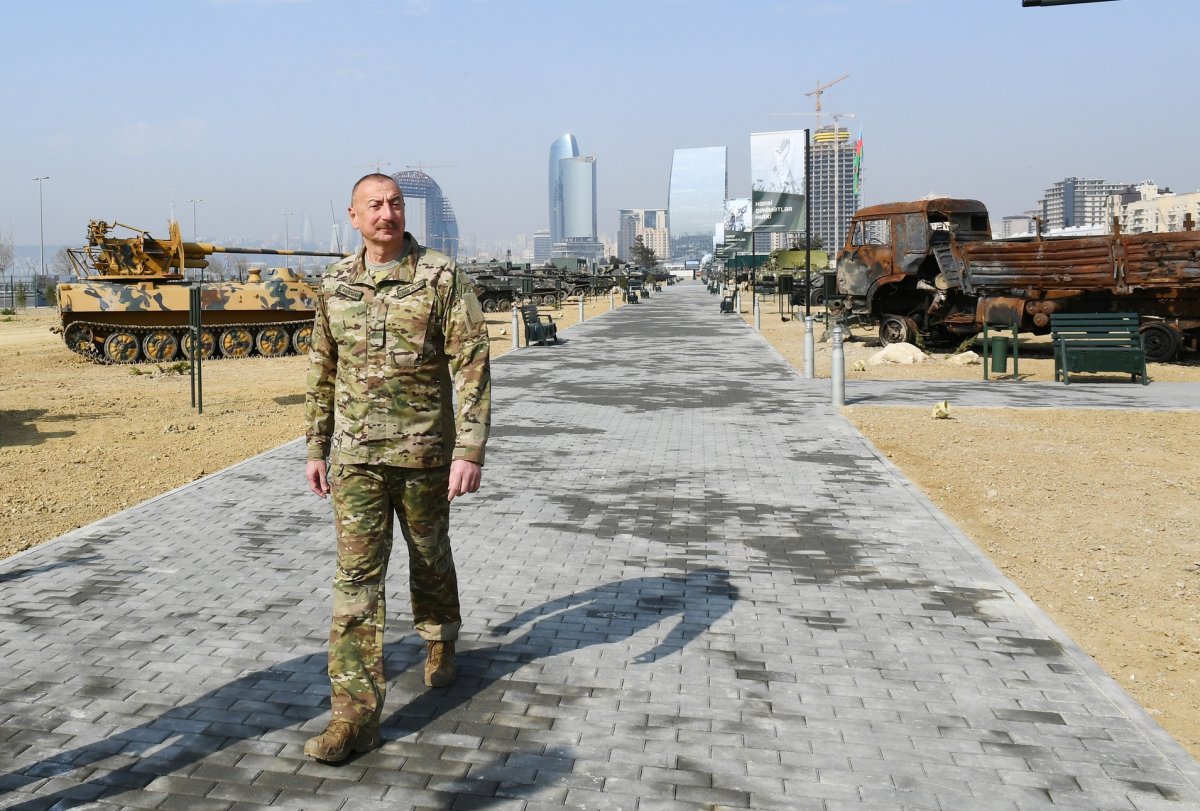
{"x": 689, "y": 584}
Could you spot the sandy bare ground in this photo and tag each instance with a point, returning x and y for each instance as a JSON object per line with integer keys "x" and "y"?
{"x": 1094, "y": 514}
{"x": 80, "y": 441}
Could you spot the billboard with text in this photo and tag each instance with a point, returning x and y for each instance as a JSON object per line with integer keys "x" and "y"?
{"x": 777, "y": 180}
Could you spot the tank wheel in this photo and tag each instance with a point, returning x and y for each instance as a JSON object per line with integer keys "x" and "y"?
{"x": 302, "y": 339}
{"x": 208, "y": 343}
{"x": 502, "y": 305}
{"x": 488, "y": 305}
{"x": 121, "y": 347}
{"x": 271, "y": 342}
{"x": 1162, "y": 341}
{"x": 160, "y": 346}
{"x": 79, "y": 338}
{"x": 236, "y": 342}
{"x": 895, "y": 329}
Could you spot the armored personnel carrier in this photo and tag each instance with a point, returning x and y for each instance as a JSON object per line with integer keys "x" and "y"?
{"x": 130, "y": 301}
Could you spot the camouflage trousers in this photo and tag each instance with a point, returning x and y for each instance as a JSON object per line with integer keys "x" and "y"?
{"x": 365, "y": 500}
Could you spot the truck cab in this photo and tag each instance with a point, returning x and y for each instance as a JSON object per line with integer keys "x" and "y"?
{"x": 898, "y": 263}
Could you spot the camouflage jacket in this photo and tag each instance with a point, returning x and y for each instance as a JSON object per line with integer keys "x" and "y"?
{"x": 390, "y": 357}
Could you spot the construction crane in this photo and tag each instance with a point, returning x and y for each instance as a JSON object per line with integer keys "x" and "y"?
{"x": 377, "y": 166}
{"x": 820, "y": 90}
{"x": 421, "y": 167}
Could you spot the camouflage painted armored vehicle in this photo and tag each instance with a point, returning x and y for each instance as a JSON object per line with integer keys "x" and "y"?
{"x": 130, "y": 301}
{"x": 499, "y": 284}
{"x": 542, "y": 288}
{"x": 495, "y": 292}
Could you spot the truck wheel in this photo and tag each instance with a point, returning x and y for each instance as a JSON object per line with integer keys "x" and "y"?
{"x": 817, "y": 297}
{"x": 1162, "y": 341}
{"x": 894, "y": 329}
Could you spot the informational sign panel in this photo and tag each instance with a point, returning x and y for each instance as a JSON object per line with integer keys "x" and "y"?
{"x": 736, "y": 231}
{"x": 777, "y": 180}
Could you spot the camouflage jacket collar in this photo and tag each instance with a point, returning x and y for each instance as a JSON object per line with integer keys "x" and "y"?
{"x": 405, "y": 272}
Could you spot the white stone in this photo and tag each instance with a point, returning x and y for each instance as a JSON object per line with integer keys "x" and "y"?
{"x": 898, "y": 353}
{"x": 967, "y": 358}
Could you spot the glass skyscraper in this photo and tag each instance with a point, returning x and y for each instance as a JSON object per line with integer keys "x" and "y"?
{"x": 578, "y": 179}
{"x": 564, "y": 147}
{"x": 696, "y": 200}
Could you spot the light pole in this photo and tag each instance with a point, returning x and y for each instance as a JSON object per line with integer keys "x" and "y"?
{"x": 41, "y": 228}
{"x": 286, "y": 260}
{"x": 195, "y": 237}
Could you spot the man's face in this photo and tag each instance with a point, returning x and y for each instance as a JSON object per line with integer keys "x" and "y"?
{"x": 377, "y": 211}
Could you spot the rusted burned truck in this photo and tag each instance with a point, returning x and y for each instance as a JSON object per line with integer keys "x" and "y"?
{"x": 930, "y": 272}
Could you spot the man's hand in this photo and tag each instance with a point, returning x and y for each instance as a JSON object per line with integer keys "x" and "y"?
{"x": 314, "y": 471}
{"x": 464, "y": 478}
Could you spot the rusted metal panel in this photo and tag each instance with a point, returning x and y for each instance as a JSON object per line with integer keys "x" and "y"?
{"x": 999, "y": 310}
{"x": 1117, "y": 264}
{"x": 1157, "y": 260}
{"x": 1072, "y": 263}
{"x": 948, "y": 205}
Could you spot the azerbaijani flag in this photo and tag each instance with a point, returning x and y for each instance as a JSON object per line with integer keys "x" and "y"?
{"x": 858, "y": 156}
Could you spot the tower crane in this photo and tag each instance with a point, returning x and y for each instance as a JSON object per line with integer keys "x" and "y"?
{"x": 421, "y": 167}
{"x": 820, "y": 90}
{"x": 377, "y": 165}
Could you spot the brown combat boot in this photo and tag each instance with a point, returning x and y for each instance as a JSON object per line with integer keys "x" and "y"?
{"x": 339, "y": 739}
{"x": 439, "y": 665}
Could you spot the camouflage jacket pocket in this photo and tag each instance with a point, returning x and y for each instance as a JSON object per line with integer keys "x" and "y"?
{"x": 349, "y": 315}
{"x": 407, "y": 312}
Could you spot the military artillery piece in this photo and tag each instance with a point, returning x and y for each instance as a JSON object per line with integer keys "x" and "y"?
{"x": 130, "y": 301}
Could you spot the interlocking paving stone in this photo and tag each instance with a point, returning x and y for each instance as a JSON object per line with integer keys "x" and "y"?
{"x": 687, "y": 582}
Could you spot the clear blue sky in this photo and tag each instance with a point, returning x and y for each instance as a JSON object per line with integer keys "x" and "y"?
{"x": 261, "y": 107}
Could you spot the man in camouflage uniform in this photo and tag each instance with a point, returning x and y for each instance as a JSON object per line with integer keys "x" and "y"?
{"x": 399, "y": 402}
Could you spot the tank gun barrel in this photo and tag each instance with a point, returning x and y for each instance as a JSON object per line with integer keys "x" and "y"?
{"x": 142, "y": 255}
{"x": 206, "y": 248}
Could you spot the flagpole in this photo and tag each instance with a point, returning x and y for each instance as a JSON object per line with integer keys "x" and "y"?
{"x": 807, "y": 227}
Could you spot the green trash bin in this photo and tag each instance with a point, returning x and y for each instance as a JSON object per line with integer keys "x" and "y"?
{"x": 999, "y": 346}
{"x": 999, "y": 353}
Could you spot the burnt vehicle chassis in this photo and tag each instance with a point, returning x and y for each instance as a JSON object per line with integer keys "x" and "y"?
{"x": 928, "y": 272}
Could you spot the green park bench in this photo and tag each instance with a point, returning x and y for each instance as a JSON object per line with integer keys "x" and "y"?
{"x": 1097, "y": 342}
{"x": 539, "y": 327}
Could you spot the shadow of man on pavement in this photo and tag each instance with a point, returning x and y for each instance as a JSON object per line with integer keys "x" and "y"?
{"x": 294, "y": 692}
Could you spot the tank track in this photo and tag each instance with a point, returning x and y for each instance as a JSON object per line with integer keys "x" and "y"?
{"x": 96, "y": 355}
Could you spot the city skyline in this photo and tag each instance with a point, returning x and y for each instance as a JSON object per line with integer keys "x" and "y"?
{"x": 251, "y": 111}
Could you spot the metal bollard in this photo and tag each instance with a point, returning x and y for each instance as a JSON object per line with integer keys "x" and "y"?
{"x": 757, "y": 313}
{"x": 516, "y": 342}
{"x": 810, "y": 349}
{"x": 838, "y": 370}
{"x": 612, "y": 299}
{"x": 737, "y": 301}
{"x": 581, "y": 308}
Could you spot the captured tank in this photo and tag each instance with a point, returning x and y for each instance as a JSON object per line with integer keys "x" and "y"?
{"x": 499, "y": 284}
{"x": 496, "y": 291}
{"x": 130, "y": 301}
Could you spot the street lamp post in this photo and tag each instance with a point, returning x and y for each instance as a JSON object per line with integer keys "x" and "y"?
{"x": 286, "y": 239}
{"x": 195, "y": 233}
{"x": 41, "y": 228}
